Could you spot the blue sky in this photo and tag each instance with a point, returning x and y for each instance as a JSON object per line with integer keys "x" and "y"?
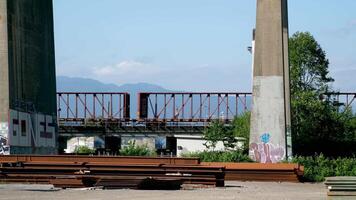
{"x": 195, "y": 45}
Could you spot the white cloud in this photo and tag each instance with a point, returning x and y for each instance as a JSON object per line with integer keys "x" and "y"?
{"x": 128, "y": 71}
{"x": 125, "y": 67}
{"x": 200, "y": 77}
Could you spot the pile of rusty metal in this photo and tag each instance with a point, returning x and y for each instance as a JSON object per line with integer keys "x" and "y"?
{"x": 281, "y": 172}
{"x": 109, "y": 172}
{"x": 136, "y": 172}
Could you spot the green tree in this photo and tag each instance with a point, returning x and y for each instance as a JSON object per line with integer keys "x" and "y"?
{"x": 81, "y": 149}
{"x": 217, "y": 131}
{"x": 309, "y": 65}
{"x": 315, "y": 120}
{"x": 241, "y": 128}
{"x": 350, "y": 125}
{"x": 136, "y": 150}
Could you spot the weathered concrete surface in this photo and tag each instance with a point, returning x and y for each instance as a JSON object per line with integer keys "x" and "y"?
{"x": 31, "y": 54}
{"x": 287, "y": 79}
{"x": 269, "y": 118}
{"x": 27, "y": 74}
{"x": 234, "y": 190}
{"x": 4, "y": 67}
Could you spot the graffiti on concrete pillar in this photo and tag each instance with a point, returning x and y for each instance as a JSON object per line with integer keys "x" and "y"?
{"x": 265, "y": 151}
{"x": 4, "y": 147}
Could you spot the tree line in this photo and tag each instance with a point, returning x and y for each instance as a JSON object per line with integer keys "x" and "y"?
{"x": 319, "y": 126}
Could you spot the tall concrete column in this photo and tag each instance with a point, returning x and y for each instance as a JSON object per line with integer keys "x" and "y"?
{"x": 27, "y": 77}
{"x": 270, "y": 115}
{"x": 4, "y": 70}
{"x": 287, "y": 79}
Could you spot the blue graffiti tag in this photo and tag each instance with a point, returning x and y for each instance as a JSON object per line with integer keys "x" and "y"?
{"x": 265, "y": 137}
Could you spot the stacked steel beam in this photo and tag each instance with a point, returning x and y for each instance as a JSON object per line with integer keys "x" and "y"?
{"x": 341, "y": 186}
{"x": 137, "y": 172}
{"x": 109, "y": 172}
{"x": 281, "y": 172}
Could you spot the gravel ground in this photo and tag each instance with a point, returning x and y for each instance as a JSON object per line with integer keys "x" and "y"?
{"x": 233, "y": 190}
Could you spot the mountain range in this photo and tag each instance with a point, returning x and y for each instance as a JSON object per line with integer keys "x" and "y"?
{"x": 75, "y": 84}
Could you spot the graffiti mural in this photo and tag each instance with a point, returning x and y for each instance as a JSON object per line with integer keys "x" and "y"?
{"x": 265, "y": 151}
{"x": 31, "y": 129}
{"x": 4, "y": 148}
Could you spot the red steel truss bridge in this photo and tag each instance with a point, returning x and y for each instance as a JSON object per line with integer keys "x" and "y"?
{"x": 153, "y": 113}
{"x": 163, "y": 113}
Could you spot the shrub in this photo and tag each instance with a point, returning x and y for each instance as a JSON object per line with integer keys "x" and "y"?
{"x": 136, "y": 150}
{"x": 220, "y": 156}
{"x": 241, "y": 128}
{"x": 217, "y": 131}
{"x": 81, "y": 149}
{"x": 316, "y": 168}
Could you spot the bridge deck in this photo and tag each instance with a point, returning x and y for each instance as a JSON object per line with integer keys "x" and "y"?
{"x": 93, "y": 114}
{"x": 109, "y": 127}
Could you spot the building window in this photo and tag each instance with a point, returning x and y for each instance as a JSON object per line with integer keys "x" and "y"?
{"x": 15, "y": 122}
{"x": 23, "y": 128}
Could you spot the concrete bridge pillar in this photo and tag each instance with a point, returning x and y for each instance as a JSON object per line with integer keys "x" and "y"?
{"x": 270, "y": 114}
{"x": 4, "y": 76}
{"x": 27, "y": 77}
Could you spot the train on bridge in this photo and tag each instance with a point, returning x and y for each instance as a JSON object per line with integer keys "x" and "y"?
{"x": 103, "y": 113}
{"x": 165, "y": 119}
{"x": 172, "y": 116}
{"x": 160, "y": 108}
{"x": 154, "y": 107}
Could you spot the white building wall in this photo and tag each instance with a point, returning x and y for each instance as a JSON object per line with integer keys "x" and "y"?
{"x": 186, "y": 144}
{"x": 79, "y": 141}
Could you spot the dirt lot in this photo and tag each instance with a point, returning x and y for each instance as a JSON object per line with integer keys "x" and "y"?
{"x": 233, "y": 190}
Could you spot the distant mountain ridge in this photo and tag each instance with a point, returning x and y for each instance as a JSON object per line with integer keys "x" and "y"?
{"x": 75, "y": 84}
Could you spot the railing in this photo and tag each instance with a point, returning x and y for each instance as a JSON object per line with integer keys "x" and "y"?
{"x": 344, "y": 100}
{"x": 73, "y": 106}
{"x": 191, "y": 107}
{"x": 165, "y": 106}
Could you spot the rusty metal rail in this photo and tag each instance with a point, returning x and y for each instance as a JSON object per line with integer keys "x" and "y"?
{"x": 108, "y": 172}
{"x": 136, "y": 172}
{"x": 281, "y": 172}
{"x": 98, "y": 159}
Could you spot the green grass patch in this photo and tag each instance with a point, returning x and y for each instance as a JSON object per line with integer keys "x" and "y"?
{"x": 317, "y": 168}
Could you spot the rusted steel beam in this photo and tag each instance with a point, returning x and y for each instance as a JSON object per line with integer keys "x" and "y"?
{"x": 110, "y": 172}
{"x": 98, "y": 159}
{"x": 283, "y": 172}
{"x": 191, "y": 106}
{"x": 344, "y": 100}
{"x": 129, "y": 172}
{"x": 72, "y": 106}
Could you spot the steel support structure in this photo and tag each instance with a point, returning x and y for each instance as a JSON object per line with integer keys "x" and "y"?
{"x": 191, "y": 107}
{"x": 98, "y": 114}
{"x": 92, "y": 107}
{"x": 343, "y": 100}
